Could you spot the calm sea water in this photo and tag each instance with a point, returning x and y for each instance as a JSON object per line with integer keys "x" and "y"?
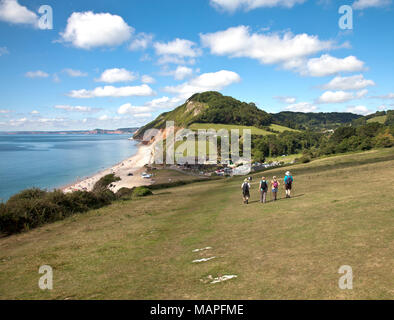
{"x": 52, "y": 161}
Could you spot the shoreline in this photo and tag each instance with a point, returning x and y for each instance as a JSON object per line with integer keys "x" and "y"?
{"x": 134, "y": 165}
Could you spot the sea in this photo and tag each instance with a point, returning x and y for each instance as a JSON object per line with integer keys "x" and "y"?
{"x": 53, "y": 161}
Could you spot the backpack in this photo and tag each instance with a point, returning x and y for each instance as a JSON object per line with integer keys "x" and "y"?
{"x": 289, "y": 181}
{"x": 263, "y": 185}
{"x": 245, "y": 187}
{"x": 276, "y": 184}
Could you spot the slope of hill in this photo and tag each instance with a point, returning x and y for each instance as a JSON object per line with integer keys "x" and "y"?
{"x": 211, "y": 107}
{"x": 143, "y": 249}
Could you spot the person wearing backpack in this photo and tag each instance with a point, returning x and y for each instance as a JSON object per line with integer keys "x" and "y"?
{"x": 263, "y": 190}
{"x": 288, "y": 183}
{"x": 275, "y": 187}
{"x": 245, "y": 191}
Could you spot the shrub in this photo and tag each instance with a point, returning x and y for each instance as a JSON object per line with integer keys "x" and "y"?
{"x": 142, "y": 192}
{"x": 105, "y": 181}
{"x": 124, "y": 193}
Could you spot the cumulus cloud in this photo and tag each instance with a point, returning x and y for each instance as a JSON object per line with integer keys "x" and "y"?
{"x": 141, "y": 41}
{"x": 110, "y": 91}
{"x": 75, "y": 73}
{"x": 87, "y": 30}
{"x": 355, "y": 82}
{"x": 36, "y": 74}
{"x": 34, "y": 112}
{"x": 364, "y": 4}
{"x": 271, "y": 48}
{"x": 130, "y": 109}
{"x": 327, "y": 65}
{"x": 11, "y": 11}
{"x": 233, "y": 5}
{"x": 301, "y": 107}
{"x": 177, "y": 47}
{"x": 205, "y": 82}
{"x": 82, "y": 109}
{"x": 178, "y": 51}
{"x": 4, "y": 111}
{"x": 180, "y": 73}
{"x": 147, "y": 79}
{"x": 363, "y": 110}
{"x": 340, "y": 96}
{"x": 116, "y": 75}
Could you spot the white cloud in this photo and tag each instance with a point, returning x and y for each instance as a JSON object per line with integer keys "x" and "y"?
{"x": 267, "y": 48}
{"x": 110, "y": 91}
{"x": 34, "y": 112}
{"x": 82, "y": 109}
{"x": 232, "y": 5}
{"x": 75, "y": 73}
{"x": 86, "y": 30}
{"x": 363, "y": 110}
{"x": 116, "y": 75}
{"x": 130, "y": 109}
{"x": 364, "y": 4}
{"x": 180, "y": 73}
{"x": 177, "y": 47}
{"x": 163, "y": 103}
{"x": 175, "y": 60}
{"x": 3, "y": 51}
{"x": 205, "y": 82}
{"x": 340, "y": 96}
{"x": 301, "y": 107}
{"x": 327, "y": 65}
{"x": 36, "y": 74}
{"x": 11, "y": 11}
{"x": 147, "y": 79}
{"x": 143, "y": 115}
{"x": 4, "y": 111}
{"x": 355, "y": 82}
{"x": 141, "y": 41}
{"x": 288, "y": 100}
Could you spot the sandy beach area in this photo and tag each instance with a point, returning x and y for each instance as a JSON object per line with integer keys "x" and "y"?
{"x": 133, "y": 165}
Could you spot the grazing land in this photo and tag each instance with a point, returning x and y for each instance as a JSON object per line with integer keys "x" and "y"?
{"x": 342, "y": 213}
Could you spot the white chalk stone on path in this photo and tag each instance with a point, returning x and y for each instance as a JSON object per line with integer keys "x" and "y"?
{"x": 223, "y": 278}
{"x": 202, "y": 249}
{"x": 203, "y": 260}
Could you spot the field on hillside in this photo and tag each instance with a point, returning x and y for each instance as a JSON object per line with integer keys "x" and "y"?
{"x": 380, "y": 119}
{"x": 342, "y": 213}
{"x": 255, "y": 131}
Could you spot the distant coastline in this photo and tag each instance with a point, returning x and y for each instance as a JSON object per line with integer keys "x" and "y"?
{"x": 66, "y": 132}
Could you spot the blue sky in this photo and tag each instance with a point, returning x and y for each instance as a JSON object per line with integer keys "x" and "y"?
{"x": 111, "y": 64}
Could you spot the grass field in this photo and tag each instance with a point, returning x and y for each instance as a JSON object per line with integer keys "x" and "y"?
{"x": 342, "y": 213}
{"x": 255, "y": 131}
{"x": 380, "y": 119}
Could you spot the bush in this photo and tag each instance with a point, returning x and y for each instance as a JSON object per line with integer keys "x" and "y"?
{"x": 142, "y": 192}
{"x": 105, "y": 181}
{"x": 124, "y": 193}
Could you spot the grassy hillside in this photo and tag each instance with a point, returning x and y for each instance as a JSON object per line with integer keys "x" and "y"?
{"x": 380, "y": 119}
{"x": 255, "y": 131}
{"x": 211, "y": 107}
{"x": 341, "y": 214}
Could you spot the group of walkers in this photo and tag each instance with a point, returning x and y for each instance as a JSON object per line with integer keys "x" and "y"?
{"x": 265, "y": 185}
